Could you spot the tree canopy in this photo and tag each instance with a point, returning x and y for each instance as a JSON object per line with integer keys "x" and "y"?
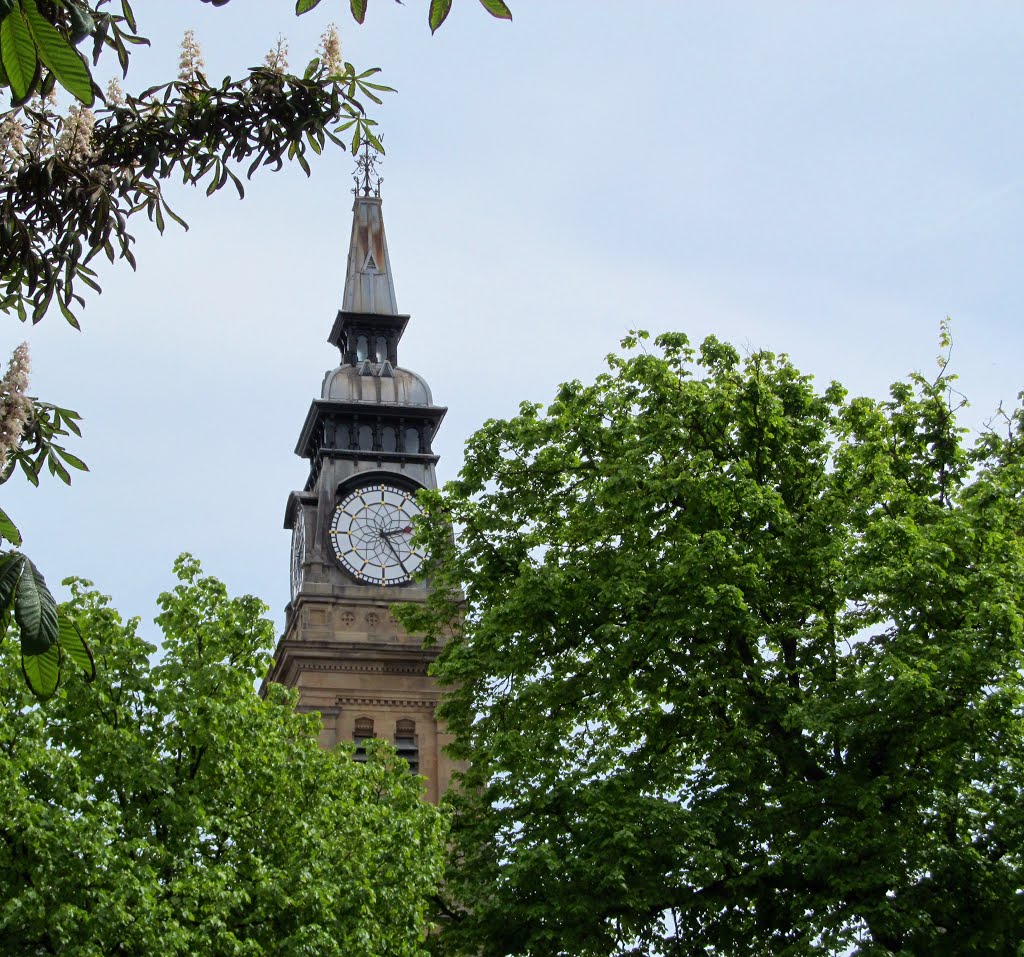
{"x": 168, "y": 809}
{"x": 738, "y": 667}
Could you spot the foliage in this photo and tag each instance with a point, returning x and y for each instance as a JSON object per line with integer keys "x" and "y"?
{"x": 437, "y": 12}
{"x": 738, "y": 667}
{"x": 59, "y": 209}
{"x": 168, "y": 809}
{"x": 38, "y": 39}
{"x": 29, "y": 430}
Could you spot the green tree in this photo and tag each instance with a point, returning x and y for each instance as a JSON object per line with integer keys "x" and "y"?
{"x": 738, "y": 667}
{"x": 168, "y": 809}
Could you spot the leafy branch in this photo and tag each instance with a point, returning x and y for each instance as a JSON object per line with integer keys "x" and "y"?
{"x": 59, "y": 211}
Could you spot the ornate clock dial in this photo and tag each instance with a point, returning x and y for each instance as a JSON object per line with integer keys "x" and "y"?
{"x": 298, "y": 552}
{"x": 370, "y": 534}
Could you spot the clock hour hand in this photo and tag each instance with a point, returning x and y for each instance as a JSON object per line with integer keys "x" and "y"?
{"x": 407, "y": 530}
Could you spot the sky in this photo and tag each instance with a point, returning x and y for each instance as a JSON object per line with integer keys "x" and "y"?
{"x": 825, "y": 180}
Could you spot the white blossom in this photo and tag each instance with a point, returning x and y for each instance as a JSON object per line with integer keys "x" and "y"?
{"x": 190, "y": 63}
{"x": 39, "y": 136}
{"x": 75, "y": 140}
{"x": 115, "y": 95}
{"x": 277, "y": 57}
{"x": 330, "y": 51}
{"x": 12, "y": 142}
{"x": 15, "y": 405}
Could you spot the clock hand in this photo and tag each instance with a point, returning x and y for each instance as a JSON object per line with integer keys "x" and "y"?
{"x": 398, "y": 558}
{"x": 407, "y": 530}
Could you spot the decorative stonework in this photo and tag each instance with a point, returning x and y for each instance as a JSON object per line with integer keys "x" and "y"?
{"x": 405, "y": 704}
{"x": 372, "y": 619}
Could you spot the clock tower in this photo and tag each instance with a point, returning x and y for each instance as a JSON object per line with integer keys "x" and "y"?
{"x": 368, "y": 441}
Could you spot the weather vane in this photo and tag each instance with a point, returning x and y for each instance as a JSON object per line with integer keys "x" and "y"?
{"x": 366, "y": 172}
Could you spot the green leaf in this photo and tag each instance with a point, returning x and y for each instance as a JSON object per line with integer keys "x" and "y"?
{"x": 73, "y": 460}
{"x": 73, "y": 644}
{"x": 8, "y": 530}
{"x": 304, "y": 6}
{"x": 11, "y": 566}
{"x": 129, "y": 15}
{"x": 358, "y": 9}
{"x": 497, "y": 8}
{"x": 59, "y": 56}
{"x": 42, "y": 671}
{"x": 57, "y": 469}
{"x": 35, "y": 611}
{"x": 439, "y": 10}
{"x": 18, "y": 53}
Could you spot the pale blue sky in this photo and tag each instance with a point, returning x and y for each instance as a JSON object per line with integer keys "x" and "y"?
{"x": 828, "y": 180}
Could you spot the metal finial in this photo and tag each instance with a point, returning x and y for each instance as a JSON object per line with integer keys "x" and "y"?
{"x": 366, "y": 178}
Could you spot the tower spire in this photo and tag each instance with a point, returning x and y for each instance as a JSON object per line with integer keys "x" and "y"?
{"x": 369, "y": 287}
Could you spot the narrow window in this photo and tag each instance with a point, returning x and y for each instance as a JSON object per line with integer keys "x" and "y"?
{"x": 388, "y": 439}
{"x": 405, "y": 743}
{"x": 363, "y": 731}
{"x": 381, "y": 348}
{"x": 366, "y": 438}
{"x": 412, "y": 439}
{"x": 362, "y": 348}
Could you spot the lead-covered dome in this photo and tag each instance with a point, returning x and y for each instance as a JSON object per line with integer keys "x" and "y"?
{"x": 377, "y": 383}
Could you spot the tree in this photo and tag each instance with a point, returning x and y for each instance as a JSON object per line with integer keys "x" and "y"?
{"x": 169, "y": 809}
{"x": 738, "y": 667}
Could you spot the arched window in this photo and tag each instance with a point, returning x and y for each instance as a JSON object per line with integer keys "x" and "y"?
{"x": 362, "y": 348}
{"x": 381, "y": 348}
{"x": 363, "y": 731}
{"x": 388, "y": 439}
{"x": 366, "y": 438}
{"x": 405, "y": 743}
{"x": 412, "y": 439}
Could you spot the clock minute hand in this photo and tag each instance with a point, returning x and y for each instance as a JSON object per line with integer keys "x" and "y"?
{"x": 394, "y": 551}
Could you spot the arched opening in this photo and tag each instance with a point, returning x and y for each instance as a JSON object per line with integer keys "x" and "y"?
{"x": 363, "y": 732}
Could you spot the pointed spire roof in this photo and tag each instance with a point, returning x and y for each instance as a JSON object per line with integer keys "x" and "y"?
{"x": 369, "y": 287}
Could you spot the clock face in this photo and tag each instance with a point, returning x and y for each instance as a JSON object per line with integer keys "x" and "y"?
{"x": 370, "y": 534}
{"x": 298, "y": 551}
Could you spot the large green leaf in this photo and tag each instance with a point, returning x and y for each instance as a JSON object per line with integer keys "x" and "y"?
{"x": 73, "y": 644}
{"x": 8, "y": 530}
{"x": 35, "y": 611}
{"x": 42, "y": 672}
{"x": 438, "y": 12}
{"x": 11, "y": 566}
{"x": 304, "y": 6}
{"x": 497, "y": 8}
{"x": 18, "y": 53}
{"x": 58, "y": 55}
{"x": 358, "y": 8}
